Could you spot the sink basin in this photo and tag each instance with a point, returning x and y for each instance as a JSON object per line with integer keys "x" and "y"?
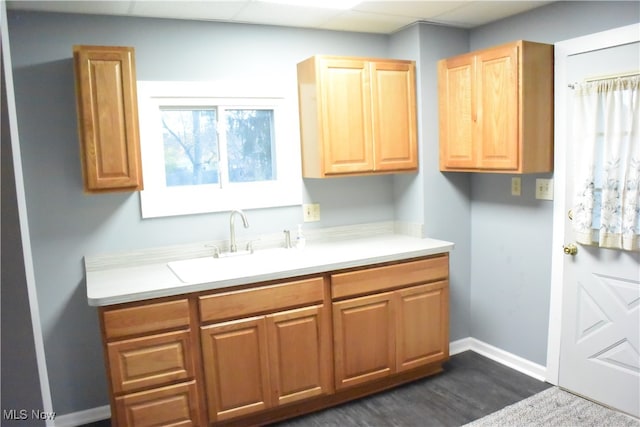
{"x": 232, "y": 265}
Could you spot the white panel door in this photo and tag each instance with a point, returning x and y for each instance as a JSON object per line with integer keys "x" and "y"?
{"x": 600, "y": 299}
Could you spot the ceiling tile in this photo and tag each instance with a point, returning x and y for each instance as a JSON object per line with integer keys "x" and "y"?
{"x": 257, "y": 12}
{"x": 90, "y": 7}
{"x": 367, "y": 22}
{"x": 422, "y": 10}
{"x": 204, "y": 10}
{"x": 482, "y": 12}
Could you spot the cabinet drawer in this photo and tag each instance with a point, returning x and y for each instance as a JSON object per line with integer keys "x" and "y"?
{"x": 175, "y": 405}
{"x": 388, "y": 277}
{"x": 248, "y": 302}
{"x": 145, "y": 318}
{"x": 150, "y": 361}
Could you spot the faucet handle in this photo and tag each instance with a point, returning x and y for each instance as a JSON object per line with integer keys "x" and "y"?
{"x": 216, "y": 250}
{"x": 287, "y": 239}
{"x": 250, "y": 246}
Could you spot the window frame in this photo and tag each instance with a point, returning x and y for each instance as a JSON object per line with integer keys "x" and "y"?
{"x": 158, "y": 200}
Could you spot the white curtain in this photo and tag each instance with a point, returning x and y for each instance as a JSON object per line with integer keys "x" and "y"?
{"x": 606, "y": 132}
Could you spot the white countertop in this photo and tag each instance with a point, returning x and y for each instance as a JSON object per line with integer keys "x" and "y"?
{"x": 120, "y": 284}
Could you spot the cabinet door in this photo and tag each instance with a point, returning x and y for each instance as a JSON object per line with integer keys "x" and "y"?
{"x": 236, "y": 367}
{"x": 108, "y": 118}
{"x": 345, "y": 99}
{"x": 456, "y": 98}
{"x": 299, "y": 356}
{"x": 364, "y": 339}
{"x": 422, "y": 319}
{"x": 394, "y": 116}
{"x": 497, "y": 93}
{"x": 174, "y": 405}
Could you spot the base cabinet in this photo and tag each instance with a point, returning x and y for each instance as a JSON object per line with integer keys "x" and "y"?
{"x": 152, "y": 359}
{"x": 380, "y": 335}
{"x": 265, "y": 353}
{"x": 261, "y": 362}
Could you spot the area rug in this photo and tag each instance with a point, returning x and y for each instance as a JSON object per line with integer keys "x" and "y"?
{"x": 555, "y": 407}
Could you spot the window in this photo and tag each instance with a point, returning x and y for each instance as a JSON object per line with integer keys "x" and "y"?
{"x": 211, "y": 147}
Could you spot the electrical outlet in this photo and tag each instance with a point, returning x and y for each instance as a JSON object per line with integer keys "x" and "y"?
{"x": 544, "y": 189}
{"x": 311, "y": 212}
{"x": 516, "y": 186}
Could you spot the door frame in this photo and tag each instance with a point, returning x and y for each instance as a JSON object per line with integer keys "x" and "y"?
{"x": 563, "y": 50}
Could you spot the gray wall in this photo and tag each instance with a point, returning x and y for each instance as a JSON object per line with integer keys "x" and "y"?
{"x": 511, "y": 236}
{"x": 499, "y": 295}
{"x": 66, "y": 224}
{"x": 20, "y": 385}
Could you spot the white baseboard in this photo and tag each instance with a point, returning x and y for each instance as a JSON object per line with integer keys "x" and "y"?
{"x": 494, "y": 353}
{"x": 83, "y": 417}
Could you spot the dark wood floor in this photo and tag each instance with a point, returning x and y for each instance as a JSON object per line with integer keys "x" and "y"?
{"x": 471, "y": 387}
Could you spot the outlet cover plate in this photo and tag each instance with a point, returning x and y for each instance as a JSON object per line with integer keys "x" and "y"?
{"x": 516, "y": 186}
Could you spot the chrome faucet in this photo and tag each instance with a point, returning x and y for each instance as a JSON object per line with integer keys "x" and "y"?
{"x": 232, "y": 244}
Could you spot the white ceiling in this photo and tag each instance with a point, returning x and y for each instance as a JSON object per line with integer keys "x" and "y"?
{"x": 368, "y": 16}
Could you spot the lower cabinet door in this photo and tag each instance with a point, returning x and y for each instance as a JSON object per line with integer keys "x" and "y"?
{"x": 299, "y": 354}
{"x": 236, "y": 367}
{"x": 174, "y": 405}
{"x": 422, "y": 319}
{"x": 364, "y": 339}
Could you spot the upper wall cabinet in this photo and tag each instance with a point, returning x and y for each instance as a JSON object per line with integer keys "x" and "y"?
{"x": 496, "y": 110}
{"x": 108, "y": 118}
{"x": 357, "y": 116}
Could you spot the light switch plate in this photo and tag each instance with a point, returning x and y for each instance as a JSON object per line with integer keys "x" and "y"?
{"x": 311, "y": 212}
{"x": 544, "y": 189}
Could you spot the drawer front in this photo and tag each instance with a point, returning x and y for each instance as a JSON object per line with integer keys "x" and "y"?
{"x": 150, "y": 361}
{"x": 175, "y": 405}
{"x": 146, "y": 318}
{"x": 388, "y": 277}
{"x": 247, "y": 302}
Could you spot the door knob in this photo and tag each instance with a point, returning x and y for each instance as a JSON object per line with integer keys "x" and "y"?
{"x": 570, "y": 249}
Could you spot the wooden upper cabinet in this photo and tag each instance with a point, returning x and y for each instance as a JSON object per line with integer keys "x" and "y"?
{"x": 496, "y": 109}
{"x": 108, "y": 118}
{"x": 357, "y": 116}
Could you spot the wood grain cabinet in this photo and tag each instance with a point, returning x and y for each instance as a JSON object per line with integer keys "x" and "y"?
{"x": 278, "y": 355}
{"x": 357, "y": 116}
{"x": 496, "y": 110}
{"x": 152, "y": 361}
{"x": 386, "y": 333}
{"x": 108, "y": 118}
{"x": 272, "y": 350}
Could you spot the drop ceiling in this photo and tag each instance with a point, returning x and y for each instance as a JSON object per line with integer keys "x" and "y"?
{"x": 383, "y": 17}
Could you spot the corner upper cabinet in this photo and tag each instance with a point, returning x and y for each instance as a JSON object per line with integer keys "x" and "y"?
{"x": 496, "y": 110}
{"x": 108, "y": 118}
{"x": 357, "y": 116}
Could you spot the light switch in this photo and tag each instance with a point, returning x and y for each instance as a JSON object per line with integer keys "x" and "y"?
{"x": 544, "y": 189}
{"x": 311, "y": 212}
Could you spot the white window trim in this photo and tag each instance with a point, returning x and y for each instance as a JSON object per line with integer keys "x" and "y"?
{"x": 157, "y": 200}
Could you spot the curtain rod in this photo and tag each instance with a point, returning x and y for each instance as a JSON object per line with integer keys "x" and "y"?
{"x": 606, "y": 77}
